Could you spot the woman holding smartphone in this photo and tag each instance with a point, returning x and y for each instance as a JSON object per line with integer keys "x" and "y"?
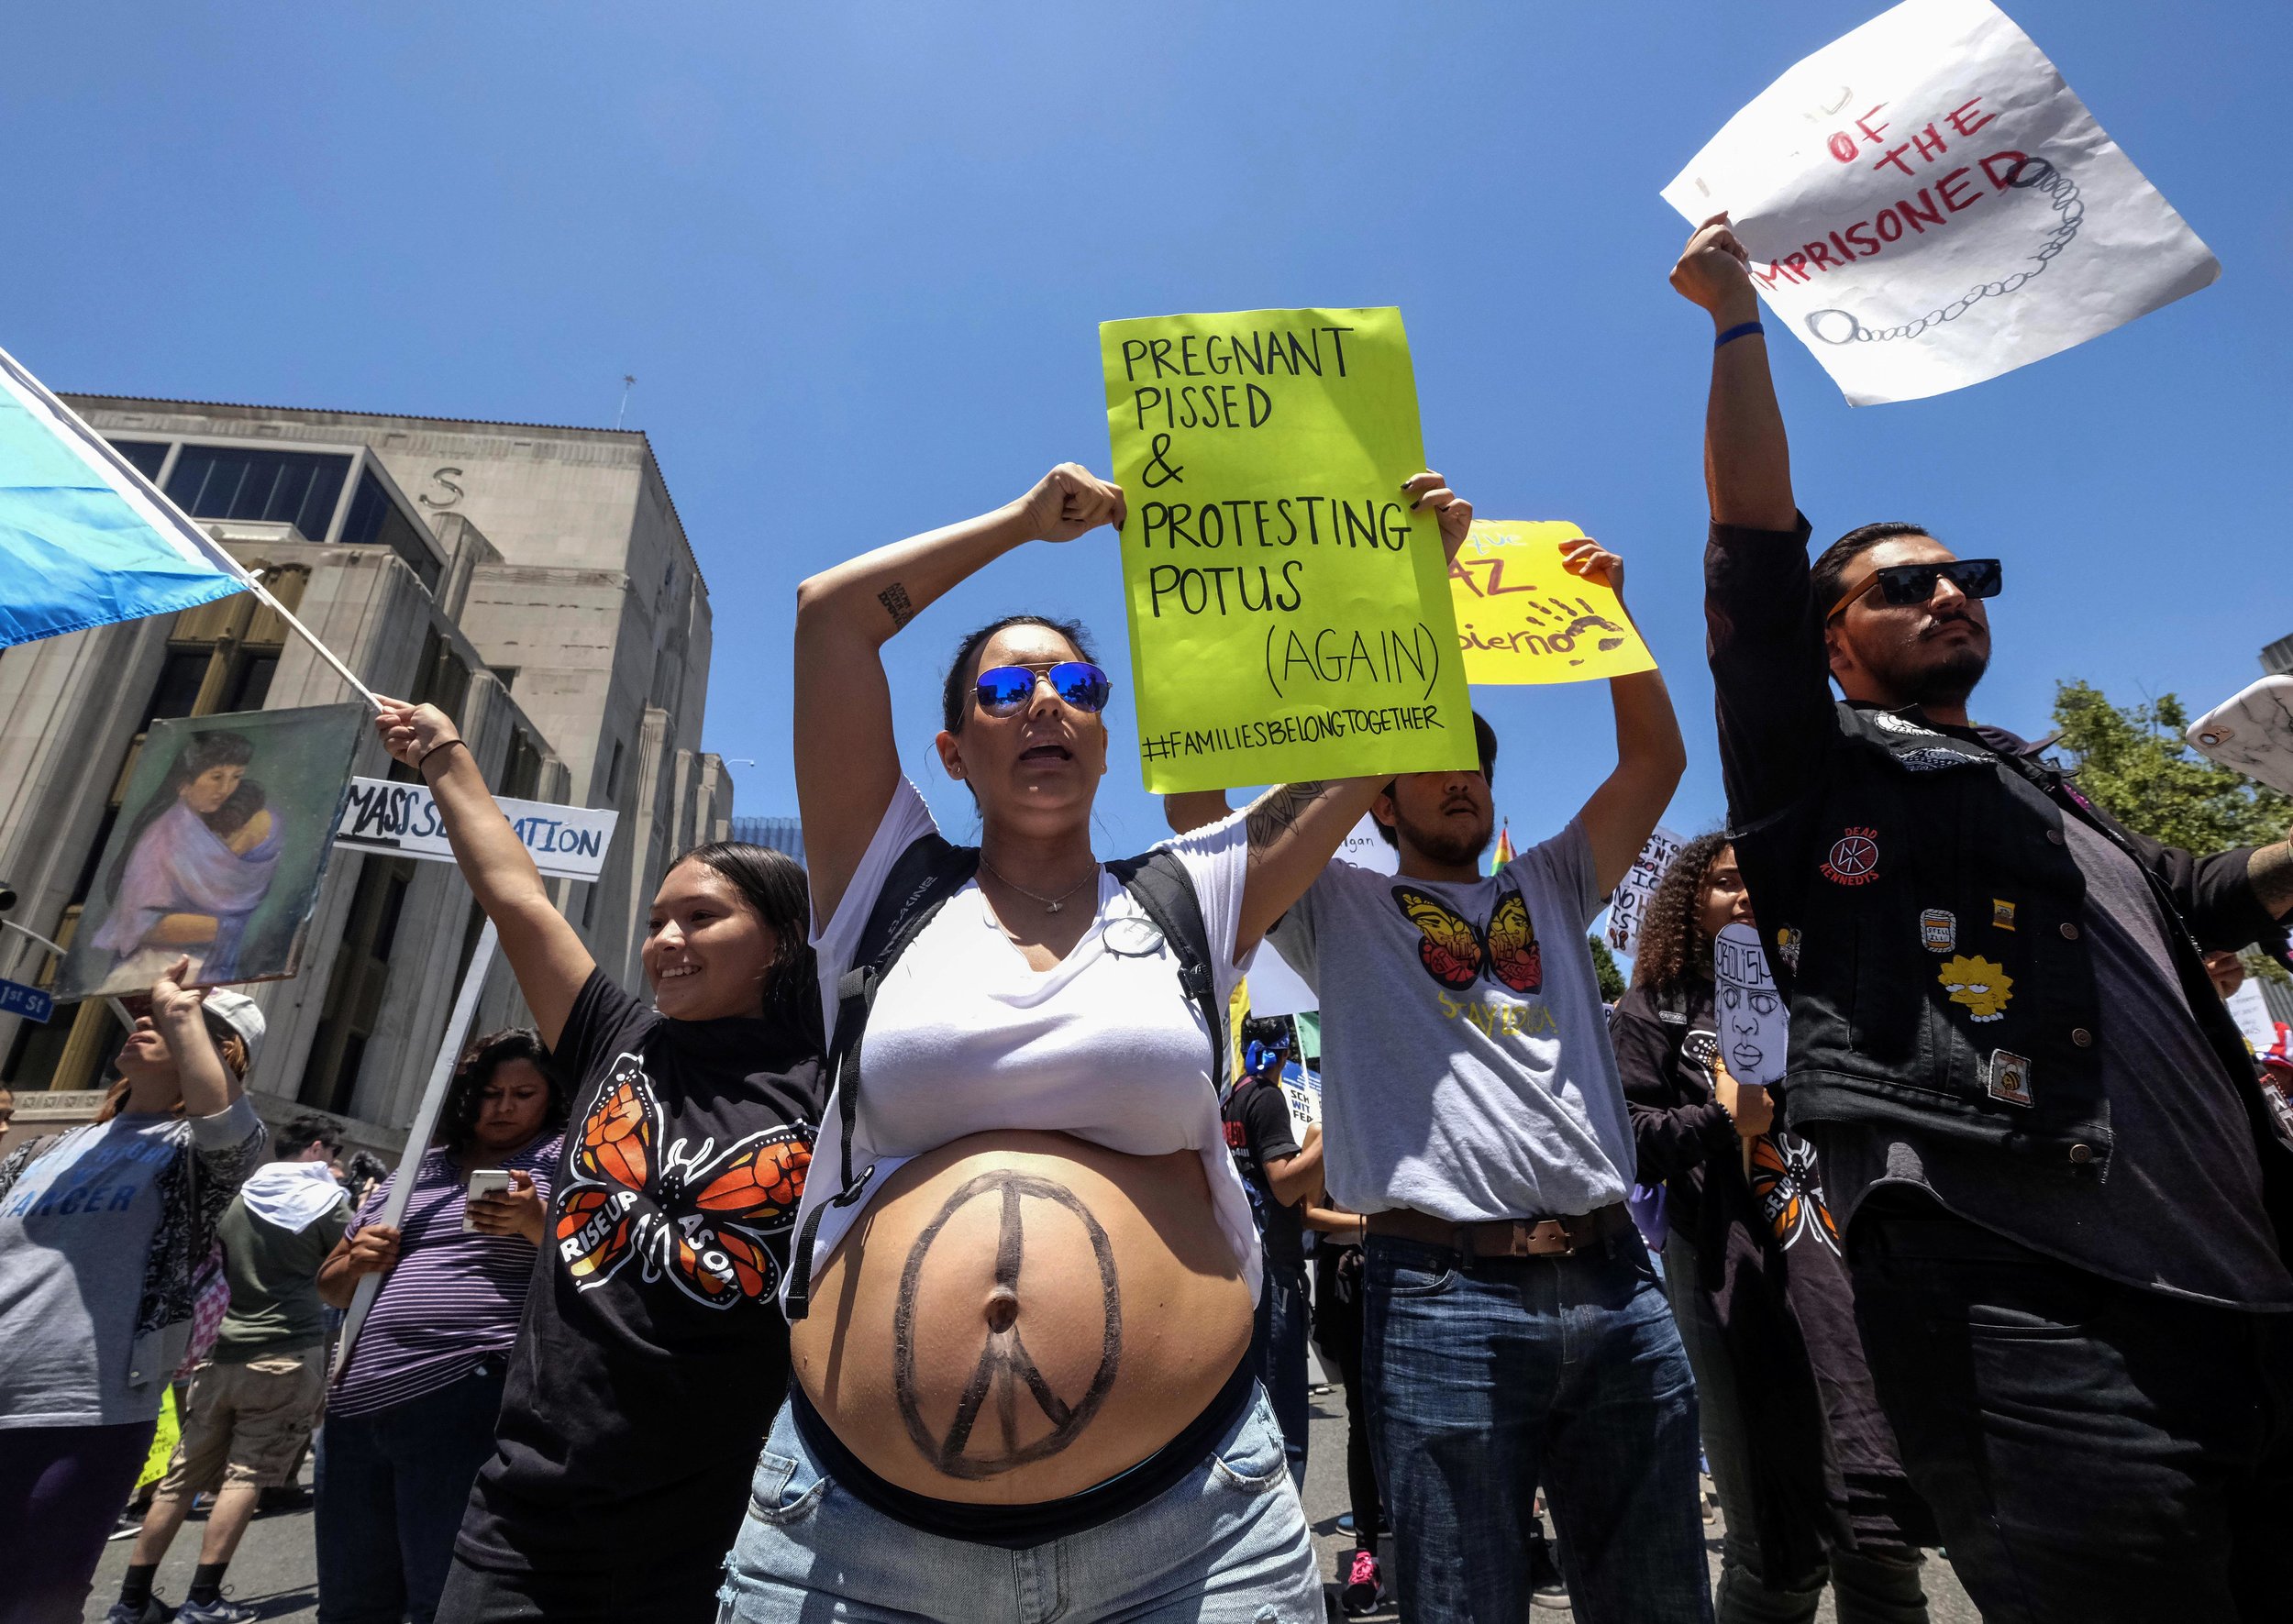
{"x": 411, "y": 1419}
{"x": 651, "y": 1352}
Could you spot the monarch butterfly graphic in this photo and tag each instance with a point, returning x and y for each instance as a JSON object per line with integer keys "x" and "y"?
{"x": 1784, "y": 1184}
{"x": 1455, "y": 951}
{"x": 698, "y": 1217}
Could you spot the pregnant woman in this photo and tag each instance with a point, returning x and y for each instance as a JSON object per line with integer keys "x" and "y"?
{"x": 1020, "y": 1377}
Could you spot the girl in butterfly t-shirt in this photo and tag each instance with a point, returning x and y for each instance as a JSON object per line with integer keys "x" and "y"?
{"x": 652, "y": 1351}
{"x": 1022, "y": 1385}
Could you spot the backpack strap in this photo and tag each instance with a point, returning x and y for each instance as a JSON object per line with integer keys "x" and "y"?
{"x": 926, "y": 875}
{"x": 1160, "y": 883}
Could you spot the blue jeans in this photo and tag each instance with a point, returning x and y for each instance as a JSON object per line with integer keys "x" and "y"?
{"x": 1227, "y": 1544}
{"x": 1486, "y": 1380}
{"x": 1277, "y": 1351}
{"x": 393, "y": 1486}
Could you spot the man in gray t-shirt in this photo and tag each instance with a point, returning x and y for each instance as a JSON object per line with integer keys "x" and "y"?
{"x": 1515, "y": 1334}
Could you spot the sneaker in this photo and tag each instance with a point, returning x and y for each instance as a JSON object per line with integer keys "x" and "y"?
{"x": 153, "y": 1611}
{"x": 218, "y": 1611}
{"x": 1546, "y": 1587}
{"x": 1345, "y": 1523}
{"x": 1365, "y": 1584}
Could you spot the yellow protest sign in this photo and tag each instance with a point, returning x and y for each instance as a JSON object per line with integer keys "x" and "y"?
{"x": 1287, "y": 613}
{"x": 1522, "y": 618}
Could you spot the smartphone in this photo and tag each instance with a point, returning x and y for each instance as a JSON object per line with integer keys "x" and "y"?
{"x": 485, "y": 1181}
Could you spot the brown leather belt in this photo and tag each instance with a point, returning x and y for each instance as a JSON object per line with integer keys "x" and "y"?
{"x": 1507, "y": 1237}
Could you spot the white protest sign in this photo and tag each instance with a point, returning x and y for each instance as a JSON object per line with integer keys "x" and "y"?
{"x": 1275, "y": 987}
{"x": 2252, "y": 732}
{"x": 1631, "y": 902}
{"x": 1927, "y": 204}
{"x": 2251, "y": 1011}
{"x": 1754, "y": 1025}
{"x": 384, "y": 815}
{"x": 1301, "y": 1092}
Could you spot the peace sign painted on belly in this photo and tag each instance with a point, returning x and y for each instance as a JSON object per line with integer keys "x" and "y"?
{"x": 1004, "y": 1365}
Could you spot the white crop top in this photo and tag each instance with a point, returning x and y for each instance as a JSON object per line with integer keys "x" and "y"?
{"x": 965, "y": 1037}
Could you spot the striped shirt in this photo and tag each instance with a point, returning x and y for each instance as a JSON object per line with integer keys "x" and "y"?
{"x": 454, "y": 1298}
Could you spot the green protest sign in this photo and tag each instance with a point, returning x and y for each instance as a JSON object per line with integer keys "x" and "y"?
{"x": 1290, "y": 615}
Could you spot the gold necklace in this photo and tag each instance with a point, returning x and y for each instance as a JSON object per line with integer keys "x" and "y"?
{"x": 1048, "y": 904}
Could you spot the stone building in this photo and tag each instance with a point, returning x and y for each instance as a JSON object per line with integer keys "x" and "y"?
{"x": 534, "y": 581}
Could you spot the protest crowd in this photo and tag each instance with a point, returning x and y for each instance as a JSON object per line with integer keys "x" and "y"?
{"x": 942, "y": 1233}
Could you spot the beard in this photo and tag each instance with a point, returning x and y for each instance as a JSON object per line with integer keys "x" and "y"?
{"x": 1445, "y": 843}
{"x": 1942, "y": 678}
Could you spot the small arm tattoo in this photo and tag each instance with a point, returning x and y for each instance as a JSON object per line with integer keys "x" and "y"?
{"x": 1277, "y": 809}
{"x": 894, "y": 598}
{"x": 2270, "y": 872}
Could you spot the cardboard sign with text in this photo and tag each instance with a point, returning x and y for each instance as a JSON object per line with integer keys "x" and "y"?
{"x": 1927, "y": 204}
{"x": 1289, "y": 616}
{"x": 1523, "y": 618}
{"x": 1630, "y": 904}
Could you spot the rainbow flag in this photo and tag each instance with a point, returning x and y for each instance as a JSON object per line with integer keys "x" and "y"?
{"x": 1503, "y": 854}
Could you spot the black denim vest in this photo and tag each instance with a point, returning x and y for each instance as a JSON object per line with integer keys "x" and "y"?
{"x": 1923, "y": 914}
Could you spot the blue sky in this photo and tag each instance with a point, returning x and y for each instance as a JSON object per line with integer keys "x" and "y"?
{"x": 856, "y": 255}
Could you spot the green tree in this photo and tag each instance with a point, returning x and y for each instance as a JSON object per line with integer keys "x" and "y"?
{"x": 1605, "y": 970}
{"x": 2134, "y": 761}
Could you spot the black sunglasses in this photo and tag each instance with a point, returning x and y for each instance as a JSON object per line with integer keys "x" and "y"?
{"x": 1914, "y": 583}
{"x": 1005, "y": 689}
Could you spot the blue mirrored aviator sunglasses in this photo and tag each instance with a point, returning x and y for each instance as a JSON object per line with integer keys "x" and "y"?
{"x": 1006, "y": 689}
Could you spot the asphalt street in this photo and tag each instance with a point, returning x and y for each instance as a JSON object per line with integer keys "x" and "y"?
{"x": 276, "y": 1573}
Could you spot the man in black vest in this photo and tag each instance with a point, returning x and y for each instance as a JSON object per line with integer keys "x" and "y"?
{"x": 2067, "y": 1205}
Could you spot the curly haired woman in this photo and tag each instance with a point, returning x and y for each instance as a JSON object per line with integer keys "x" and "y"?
{"x": 1809, "y": 1480}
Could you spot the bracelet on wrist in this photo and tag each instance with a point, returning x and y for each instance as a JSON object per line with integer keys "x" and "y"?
{"x": 423, "y": 761}
{"x": 1740, "y": 331}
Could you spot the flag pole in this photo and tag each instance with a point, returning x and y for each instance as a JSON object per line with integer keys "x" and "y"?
{"x": 255, "y": 585}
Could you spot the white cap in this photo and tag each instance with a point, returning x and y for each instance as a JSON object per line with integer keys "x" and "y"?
{"x": 238, "y": 1015}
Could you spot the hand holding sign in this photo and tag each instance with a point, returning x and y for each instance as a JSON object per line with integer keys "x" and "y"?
{"x": 1926, "y": 204}
{"x": 1538, "y": 602}
{"x": 1068, "y": 502}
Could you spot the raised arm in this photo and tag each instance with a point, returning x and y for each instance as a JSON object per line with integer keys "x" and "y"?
{"x": 545, "y": 951}
{"x": 1771, "y": 685}
{"x": 847, "y": 762}
{"x": 1747, "y": 461}
{"x": 210, "y": 1087}
{"x": 1650, "y": 758}
{"x": 1296, "y": 829}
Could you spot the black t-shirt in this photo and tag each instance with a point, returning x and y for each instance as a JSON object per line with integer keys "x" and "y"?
{"x": 1258, "y": 1131}
{"x": 652, "y": 1353}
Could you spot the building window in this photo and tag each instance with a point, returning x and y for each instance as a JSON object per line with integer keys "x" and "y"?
{"x": 440, "y": 678}
{"x": 375, "y": 518}
{"x": 353, "y": 1003}
{"x": 149, "y": 456}
{"x": 613, "y": 776}
{"x": 182, "y": 673}
{"x": 297, "y": 487}
{"x": 521, "y": 772}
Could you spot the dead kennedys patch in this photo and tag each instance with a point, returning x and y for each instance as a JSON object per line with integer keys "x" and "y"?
{"x": 1855, "y": 857}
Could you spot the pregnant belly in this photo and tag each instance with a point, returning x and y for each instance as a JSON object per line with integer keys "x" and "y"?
{"x": 1019, "y": 1316}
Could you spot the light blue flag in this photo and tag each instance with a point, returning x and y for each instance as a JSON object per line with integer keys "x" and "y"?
{"x": 86, "y": 539}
